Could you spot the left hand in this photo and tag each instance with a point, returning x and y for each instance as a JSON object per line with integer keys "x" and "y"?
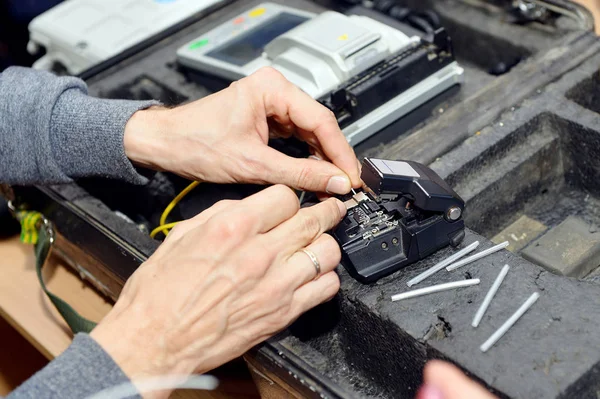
{"x": 223, "y": 138}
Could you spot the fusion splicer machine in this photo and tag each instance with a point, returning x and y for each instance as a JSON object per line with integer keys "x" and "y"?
{"x": 404, "y": 214}
{"x": 367, "y": 72}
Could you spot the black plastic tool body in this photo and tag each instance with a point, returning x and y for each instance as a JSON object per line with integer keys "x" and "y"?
{"x": 407, "y": 213}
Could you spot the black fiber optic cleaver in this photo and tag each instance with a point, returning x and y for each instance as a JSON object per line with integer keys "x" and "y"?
{"x": 404, "y": 213}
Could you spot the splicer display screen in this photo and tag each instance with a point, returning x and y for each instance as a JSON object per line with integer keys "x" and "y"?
{"x": 250, "y": 46}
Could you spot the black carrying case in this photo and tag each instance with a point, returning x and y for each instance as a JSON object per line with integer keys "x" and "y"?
{"x": 520, "y": 137}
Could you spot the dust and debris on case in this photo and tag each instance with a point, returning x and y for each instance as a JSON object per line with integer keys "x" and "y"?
{"x": 404, "y": 213}
{"x": 503, "y": 329}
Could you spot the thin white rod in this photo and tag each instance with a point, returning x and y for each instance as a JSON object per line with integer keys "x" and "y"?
{"x": 435, "y": 288}
{"x": 477, "y": 256}
{"x": 509, "y": 323}
{"x": 141, "y": 386}
{"x": 440, "y": 265}
{"x": 490, "y": 295}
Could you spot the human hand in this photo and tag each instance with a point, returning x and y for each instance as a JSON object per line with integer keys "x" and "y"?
{"x": 442, "y": 380}
{"x": 223, "y": 138}
{"x": 221, "y": 283}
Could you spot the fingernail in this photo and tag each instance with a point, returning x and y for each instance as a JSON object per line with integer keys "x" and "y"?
{"x": 429, "y": 392}
{"x": 316, "y": 158}
{"x": 338, "y": 185}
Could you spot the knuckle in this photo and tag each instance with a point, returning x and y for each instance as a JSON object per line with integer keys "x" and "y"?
{"x": 235, "y": 223}
{"x": 282, "y": 314}
{"x": 255, "y": 260}
{"x": 327, "y": 116}
{"x": 223, "y": 204}
{"x": 333, "y": 248}
{"x": 285, "y": 194}
{"x": 274, "y": 323}
{"x": 304, "y": 175}
{"x": 227, "y": 228}
{"x": 254, "y": 167}
{"x": 276, "y": 304}
{"x": 279, "y": 293}
{"x": 178, "y": 230}
{"x": 235, "y": 84}
{"x": 279, "y": 303}
{"x": 251, "y": 271}
{"x": 281, "y": 190}
{"x": 243, "y": 221}
{"x": 334, "y": 286}
{"x": 312, "y": 141}
{"x": 310, "y": 225}
{"x": 270, "y": 73}
{"x": 330, "y": 115}
{"x": 333, "y": 210}
{"x": 258, "y": 171}
{"x": 255, "y": 257}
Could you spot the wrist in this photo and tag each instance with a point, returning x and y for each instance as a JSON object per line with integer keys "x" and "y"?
{"x": 134, "y": 340}
{"x": 143, "y": 139}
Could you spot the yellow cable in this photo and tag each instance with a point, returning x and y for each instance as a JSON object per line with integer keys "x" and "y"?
{"x": 169, "y": 208}
{"x": 164, "y": 228}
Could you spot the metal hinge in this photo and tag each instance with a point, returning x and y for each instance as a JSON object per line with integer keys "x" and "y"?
{"x": 530, "y": 10}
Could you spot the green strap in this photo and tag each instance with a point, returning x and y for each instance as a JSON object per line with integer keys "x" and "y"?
{"x": 36, "y": 230}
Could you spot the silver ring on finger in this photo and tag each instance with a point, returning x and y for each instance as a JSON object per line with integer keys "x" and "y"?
{"x": 314, "y": 260}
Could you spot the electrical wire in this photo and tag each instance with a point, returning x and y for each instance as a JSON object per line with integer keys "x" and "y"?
{"x": 163, "y": 226}
{"x": 169, "y": 208}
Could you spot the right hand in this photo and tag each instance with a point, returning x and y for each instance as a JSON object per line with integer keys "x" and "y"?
{"x": 221, "y": 283}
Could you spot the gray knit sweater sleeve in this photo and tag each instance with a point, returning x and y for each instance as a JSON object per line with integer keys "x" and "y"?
{"x": 82, "y": 370}
{"x": 52, "y": 131}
